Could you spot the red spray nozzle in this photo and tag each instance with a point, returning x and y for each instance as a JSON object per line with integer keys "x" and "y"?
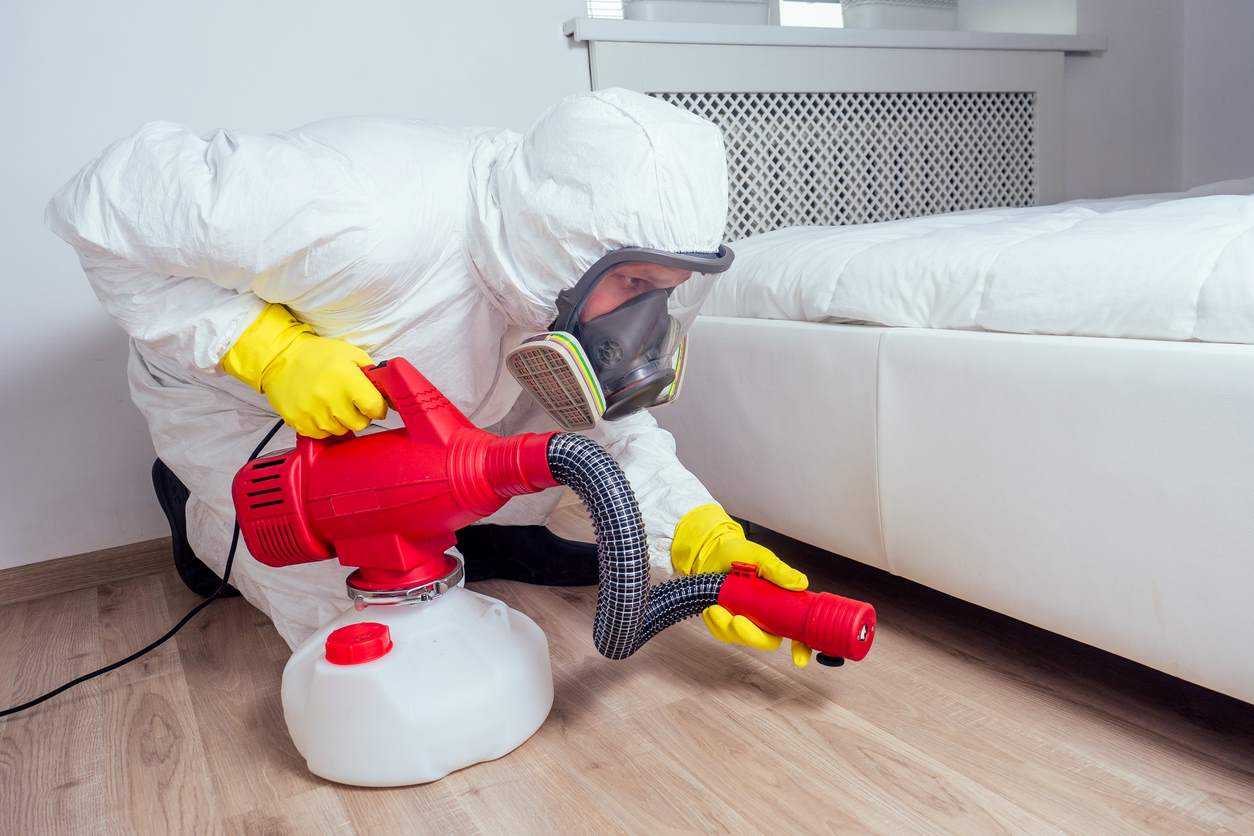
{"x": 837, "y": 627}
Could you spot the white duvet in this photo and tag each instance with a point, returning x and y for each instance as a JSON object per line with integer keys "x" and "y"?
{"x": 1168, "y": 267}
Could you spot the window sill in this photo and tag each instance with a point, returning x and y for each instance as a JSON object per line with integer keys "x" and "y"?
{"x": 638, "y": 31}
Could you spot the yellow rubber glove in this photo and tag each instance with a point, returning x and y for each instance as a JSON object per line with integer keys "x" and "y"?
{"x": 707, "y": 540}
{"x": 314, "y": 383}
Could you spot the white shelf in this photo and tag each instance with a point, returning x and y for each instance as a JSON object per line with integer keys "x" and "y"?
{"x": 639, "y": 31}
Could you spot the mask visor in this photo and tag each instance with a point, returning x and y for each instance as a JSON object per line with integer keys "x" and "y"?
{"x": 570, "y": 302}
{"x": 678, "y": 356}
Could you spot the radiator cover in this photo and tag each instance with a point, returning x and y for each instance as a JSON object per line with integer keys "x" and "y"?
{"x": 807, "y": 159}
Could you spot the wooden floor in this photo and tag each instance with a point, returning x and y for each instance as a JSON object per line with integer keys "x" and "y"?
{"x": 959, "y": 721}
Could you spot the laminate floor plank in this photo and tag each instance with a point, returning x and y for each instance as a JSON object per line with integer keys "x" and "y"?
{"x": 233, "y": 681}
{"x": 52, "y": 756}
{"x": 156, "y": 774}
{"x": 319, "y": 810}
{"x": 638, "y": 786}
{"x": 132, "y": 613}
{"x": 432, "y": 808}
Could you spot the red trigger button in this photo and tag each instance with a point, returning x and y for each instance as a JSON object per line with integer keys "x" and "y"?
{"x": 744, "y": 570}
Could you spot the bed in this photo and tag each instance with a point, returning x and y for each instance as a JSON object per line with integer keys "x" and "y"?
{"x": 1098, "y": 488}
{"x": 1094, "y": 479}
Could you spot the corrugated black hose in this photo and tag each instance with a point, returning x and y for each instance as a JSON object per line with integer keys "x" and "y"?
{"x": 628, "y": 612}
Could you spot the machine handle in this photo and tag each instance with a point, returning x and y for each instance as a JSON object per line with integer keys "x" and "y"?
{"x": 424, "y": 410}
{"x": 395, "y": 391}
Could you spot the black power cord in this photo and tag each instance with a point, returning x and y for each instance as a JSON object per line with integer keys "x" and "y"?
{"x": 148, "y": 648}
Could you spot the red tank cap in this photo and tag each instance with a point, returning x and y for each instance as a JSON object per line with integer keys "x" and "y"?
{"x": 354, "y": 644}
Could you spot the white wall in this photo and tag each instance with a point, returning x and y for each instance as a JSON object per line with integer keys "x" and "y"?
{"x": 76, "y": 75}
{"x": 1218, "y": 91}
{"x": 1123, "y": 105}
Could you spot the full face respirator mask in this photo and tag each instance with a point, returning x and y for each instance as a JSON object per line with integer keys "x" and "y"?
{"x": 617, "y": 363}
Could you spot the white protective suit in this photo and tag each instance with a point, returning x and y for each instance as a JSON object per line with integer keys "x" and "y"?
{"x": 445, "y": 246}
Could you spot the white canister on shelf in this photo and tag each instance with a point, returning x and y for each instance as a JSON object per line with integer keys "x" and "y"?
{"x": 697, "y": 11}
{"x": 900, "y": 14}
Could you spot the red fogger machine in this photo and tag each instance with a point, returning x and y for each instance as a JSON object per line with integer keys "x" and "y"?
{"x": 388, "y": 503}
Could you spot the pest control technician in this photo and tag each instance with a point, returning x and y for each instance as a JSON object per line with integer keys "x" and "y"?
{"x": 256, "y": 274}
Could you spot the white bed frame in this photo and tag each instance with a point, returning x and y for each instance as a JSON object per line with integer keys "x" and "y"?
{"x": 1097, "y": 488}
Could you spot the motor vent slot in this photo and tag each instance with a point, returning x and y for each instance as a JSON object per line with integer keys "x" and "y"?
{"x": 279, "y": 540}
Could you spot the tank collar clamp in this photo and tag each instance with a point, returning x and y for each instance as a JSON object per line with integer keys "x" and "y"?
{"x": 419, "y": 594}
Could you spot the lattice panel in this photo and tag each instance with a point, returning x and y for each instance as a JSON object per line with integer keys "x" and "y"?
{"x": 804, "y": 159}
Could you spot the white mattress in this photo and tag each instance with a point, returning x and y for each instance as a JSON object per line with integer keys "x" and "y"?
{"x": 1164, "y": 267}
{"x": 1099, "y": 488}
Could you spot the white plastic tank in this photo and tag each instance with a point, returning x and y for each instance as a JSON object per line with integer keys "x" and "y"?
{"x": 417, "y": 690}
